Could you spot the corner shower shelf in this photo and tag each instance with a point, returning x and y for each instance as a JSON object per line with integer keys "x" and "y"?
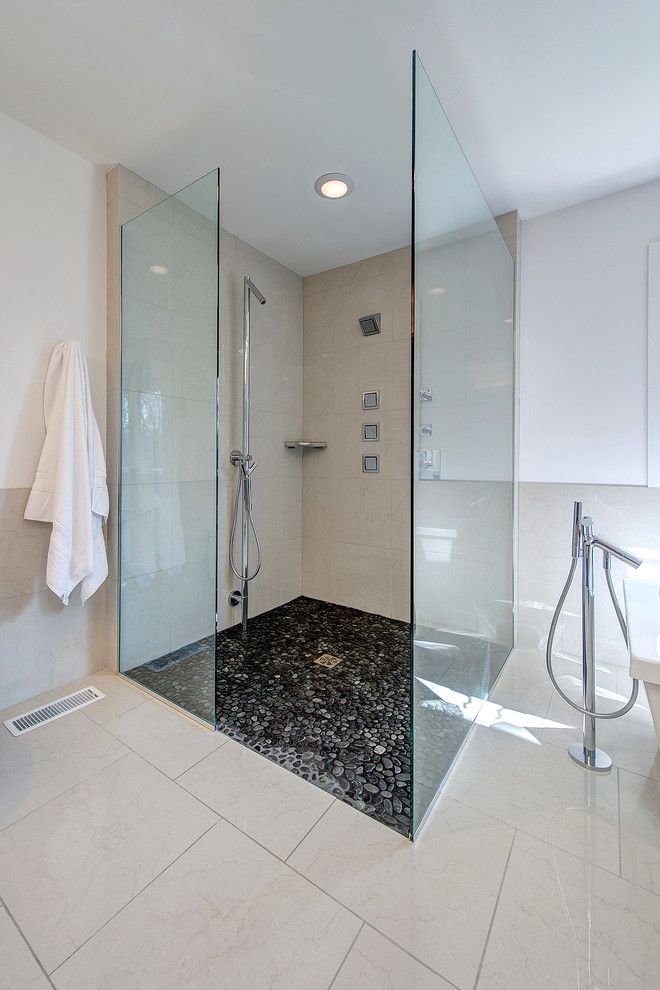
{"x": 305, "y": 444}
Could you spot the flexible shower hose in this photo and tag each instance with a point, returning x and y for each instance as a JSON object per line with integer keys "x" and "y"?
{"x": 242, "y": 495}
{"x": 551, "y": 636}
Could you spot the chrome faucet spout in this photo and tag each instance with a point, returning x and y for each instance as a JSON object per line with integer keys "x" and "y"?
{"x": 612, "y": 550}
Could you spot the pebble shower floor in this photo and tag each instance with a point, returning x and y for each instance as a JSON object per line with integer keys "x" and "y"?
{"x": 344, "y": 728}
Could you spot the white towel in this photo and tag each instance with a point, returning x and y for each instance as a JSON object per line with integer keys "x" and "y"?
{"x": 70, "y": 489}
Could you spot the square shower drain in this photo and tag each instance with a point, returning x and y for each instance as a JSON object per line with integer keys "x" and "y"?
{"x": 327, "y": 660}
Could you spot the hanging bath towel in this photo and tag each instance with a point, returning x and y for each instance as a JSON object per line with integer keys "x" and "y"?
{"x": 70, "y": 489}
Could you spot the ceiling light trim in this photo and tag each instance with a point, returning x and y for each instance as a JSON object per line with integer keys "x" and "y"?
{"x": 333, "y": 180}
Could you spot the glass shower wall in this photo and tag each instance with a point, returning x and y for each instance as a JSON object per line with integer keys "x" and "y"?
{"x": 463, "y": 447}
{"x": 168, "y": 479}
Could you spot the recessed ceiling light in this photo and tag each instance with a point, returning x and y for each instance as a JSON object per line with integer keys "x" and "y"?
{"x": 334, "y": 185}
{"x": 159, "y": 270}
{"x": 438, "y": 291}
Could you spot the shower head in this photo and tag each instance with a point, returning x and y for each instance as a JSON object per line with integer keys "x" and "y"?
{"x": 254, "y": 290}
{"x": 370, "y": 325}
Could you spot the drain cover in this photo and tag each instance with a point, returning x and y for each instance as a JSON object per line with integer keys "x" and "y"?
{"x": 327, "y": 660}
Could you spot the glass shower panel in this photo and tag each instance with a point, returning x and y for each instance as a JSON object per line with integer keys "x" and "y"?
{"x": 463, "y": 447}
{"x": 168, "y": 480}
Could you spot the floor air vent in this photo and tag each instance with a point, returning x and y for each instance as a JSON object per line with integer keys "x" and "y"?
{"x": 54, "y": 709}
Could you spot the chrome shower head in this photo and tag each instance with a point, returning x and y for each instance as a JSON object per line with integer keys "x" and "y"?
{"x": 254, "y": 290}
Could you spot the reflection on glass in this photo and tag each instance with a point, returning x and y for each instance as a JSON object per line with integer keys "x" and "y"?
{"x": 168, "y": 447}
{"x": 463, "y": 438}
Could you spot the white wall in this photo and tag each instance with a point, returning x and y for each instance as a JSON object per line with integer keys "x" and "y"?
{"x": 52, "y": 287}
{"x": 52, "y": 283}
{"x": 583, "y": 325}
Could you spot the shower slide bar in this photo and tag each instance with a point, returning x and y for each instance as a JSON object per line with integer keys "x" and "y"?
{"x": 583, "y": 544}
{"x": 245, "y": 462}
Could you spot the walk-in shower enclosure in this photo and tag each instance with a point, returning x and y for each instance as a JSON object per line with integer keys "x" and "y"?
{"x": 382, "y": 492}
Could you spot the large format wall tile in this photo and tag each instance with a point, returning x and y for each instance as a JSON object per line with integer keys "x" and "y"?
{"x": 352, "y": 521}
{"x": 627, "y": 515}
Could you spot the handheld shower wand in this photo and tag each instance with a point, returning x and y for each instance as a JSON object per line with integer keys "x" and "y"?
{"x": 245, "y": 462}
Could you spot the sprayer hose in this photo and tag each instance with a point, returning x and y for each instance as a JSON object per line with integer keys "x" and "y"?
{"x": 551, "y": 636}
{"x": 238, "y": 497}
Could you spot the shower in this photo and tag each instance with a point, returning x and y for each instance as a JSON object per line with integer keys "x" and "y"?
{"x": 246, "y": 464}
{"x": 347, "y": 547}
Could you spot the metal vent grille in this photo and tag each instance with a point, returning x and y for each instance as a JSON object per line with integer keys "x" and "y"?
{"x": 55, "y": 709}
{"x": 370, "y": 325}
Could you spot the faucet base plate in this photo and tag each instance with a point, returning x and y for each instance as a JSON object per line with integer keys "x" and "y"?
{"x": 595, "y": 759}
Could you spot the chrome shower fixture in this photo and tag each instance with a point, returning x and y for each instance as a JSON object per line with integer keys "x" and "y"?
{"x": 583, "y": 543}
{"x": 370, "y": 325}
{"x": 245, "y": 462}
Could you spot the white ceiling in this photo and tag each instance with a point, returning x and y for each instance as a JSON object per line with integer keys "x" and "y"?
{"x": 554, "y": 101}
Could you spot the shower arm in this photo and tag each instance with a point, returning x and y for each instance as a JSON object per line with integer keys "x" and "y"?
{"x": 583, "y": 534}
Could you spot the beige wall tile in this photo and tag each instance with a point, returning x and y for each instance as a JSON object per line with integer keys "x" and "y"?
{"x": 344, "y": 510}
{"x": 361, "y": 577}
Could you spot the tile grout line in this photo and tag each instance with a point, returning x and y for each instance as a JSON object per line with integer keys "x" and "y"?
{"x": 360, "y": 918}
{"x": 201, "y": 759}
{"x": 137, "y": 894}
{"x": 323, "y": 813}
{"x": 552, "y": 845}
{"x": 497, "y": 903}
{"x": 345, "y": 957}
{"x": 411, "y": 956}
{"x": 23, "y": 936}
{"x": 83, "y": 780}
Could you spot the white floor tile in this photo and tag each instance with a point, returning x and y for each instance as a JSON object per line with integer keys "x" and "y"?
{"x": 120, "y": 697}
{"x": 563, "y": 924}
{"x": 539, "y": 789}
{"x": 170, "y": 741}
{"x": 630, "y": 740}
{"x": 68, "y": 867}
{"x": 374, "y": 963}
{"x": 269, "y": 803}
{"x": 49, "y": 760}
{"x": 227, "y": 916}
{"x": 435, "y": 898}
{"x": 18, "y": 968}
{"x": 640, "y": 830}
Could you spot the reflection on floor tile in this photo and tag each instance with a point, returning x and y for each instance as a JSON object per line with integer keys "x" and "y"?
{"x": 630, "y": 740}
{"x": 90, "y": 850}
{"x": 434, "y": 899}
{"x": 98, "y": 823}
{"x": 18, "y": 968}
{"x": 271, "y": 805}
{"x": 225, "y": 914}
{"x": 640, "y": 830}
{"x": 375, "y": 963}
{"x": 562, "y": 923}
{"x": 541, "y": 791}
{"x": 169, "y": 741}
